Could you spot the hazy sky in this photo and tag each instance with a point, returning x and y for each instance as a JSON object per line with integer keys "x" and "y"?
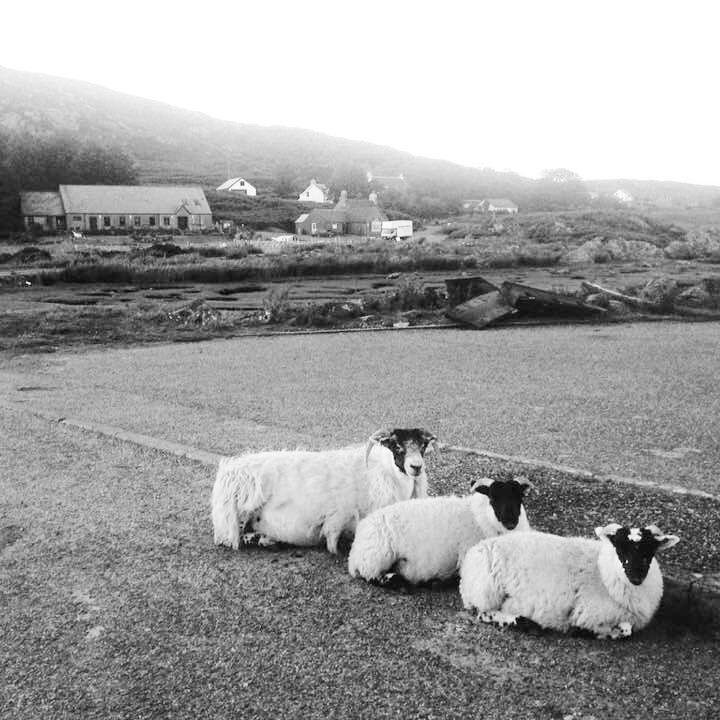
{"x": 605, "y": 88}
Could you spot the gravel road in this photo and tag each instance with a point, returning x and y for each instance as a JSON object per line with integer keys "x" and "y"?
{"x": 637, "y": 400}
{"x": 115, "y": 604}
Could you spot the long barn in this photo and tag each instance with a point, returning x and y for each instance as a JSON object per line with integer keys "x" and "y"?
{"x": 99, "y": 208}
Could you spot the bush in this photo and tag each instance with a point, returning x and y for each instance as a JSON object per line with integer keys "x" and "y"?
{"x": 165, "y": 249}
{"x": 243, "y": 251}
{"x": 211, "y": 251}
{"x": 276, "y": 304}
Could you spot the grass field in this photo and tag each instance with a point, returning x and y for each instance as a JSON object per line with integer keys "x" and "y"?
{"x": 113, "y": 289}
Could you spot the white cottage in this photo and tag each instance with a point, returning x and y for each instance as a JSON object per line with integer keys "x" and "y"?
{"x": 238, "y": 185}
{"x": 315, "y": 192}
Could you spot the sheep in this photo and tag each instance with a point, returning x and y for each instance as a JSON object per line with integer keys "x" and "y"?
{"x": 423, "y": 540}
{"x": 302, "y": 498}
{"x": 609, "y": 587}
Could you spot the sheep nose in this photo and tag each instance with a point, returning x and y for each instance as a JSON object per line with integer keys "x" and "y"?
{"x": 416, "y": 469}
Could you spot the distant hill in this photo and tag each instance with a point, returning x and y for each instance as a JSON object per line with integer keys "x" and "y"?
{"x": 169, "y": 144}
{"x": 660, "y": 193}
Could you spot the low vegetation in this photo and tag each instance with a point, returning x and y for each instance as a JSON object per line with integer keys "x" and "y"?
{"x": 534, "y": 240}
{"x": 159, "y": 266}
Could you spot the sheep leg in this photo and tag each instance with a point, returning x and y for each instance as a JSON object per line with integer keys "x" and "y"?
{"x": 497, "y": 617}
{"x": 392, "y": 581}
{"x": 254, "y": 539}
{"x": 615, "y": 632}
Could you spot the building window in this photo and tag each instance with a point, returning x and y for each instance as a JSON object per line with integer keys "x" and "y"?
{"x": 121, "y": 220}
{"x": 137, "y": 220}
{"x": 77, "y": 218}
{"x": 166, "y": 220}
{"x": 106, "y": 221}
{"x": 151, "y": 220}
{"x": 313, "y": 228}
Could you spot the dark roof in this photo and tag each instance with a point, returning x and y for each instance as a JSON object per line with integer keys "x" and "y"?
{"x": 360, "y": 211}
{"x": 326, "y": 215}
{"x": 41, "y": 203}
{"x": 134, "y": 199}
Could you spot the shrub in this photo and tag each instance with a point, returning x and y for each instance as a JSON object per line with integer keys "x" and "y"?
{"x": 211, "y": 251}
{"x": 243, "y": 251}
{"x": 165, "y": 249}
{"x": 276, "y": 304}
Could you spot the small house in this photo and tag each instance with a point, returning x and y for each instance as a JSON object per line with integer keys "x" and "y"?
{"x": 498, "y": 205}
{"x": 395, "y": 183}
{"x": 622, "y": 196}
{"x": 315, "y": 192}
{"x": 322, "y": 222}
{"x": 238, "y": 185}
{"x": 44, "y": 210}
{"x": 362, "y": 217}
{"x": 348, "y": 217}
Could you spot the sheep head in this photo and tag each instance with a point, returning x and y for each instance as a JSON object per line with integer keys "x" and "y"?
{"x": 408, "y": 446}
{"x": 506, "y": 497}
{"x": 635, "y": 547}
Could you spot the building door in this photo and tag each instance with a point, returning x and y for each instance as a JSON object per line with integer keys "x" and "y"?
{"x": 93, "y": 223}
{"x": 182, "y": 222}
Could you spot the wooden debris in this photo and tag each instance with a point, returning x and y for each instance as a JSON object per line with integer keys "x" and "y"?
{"x": 482, "y": 310}
{"x": 462, "y": 289}
{"x": 533, "y": 301}
{"x": 651, "y": 306}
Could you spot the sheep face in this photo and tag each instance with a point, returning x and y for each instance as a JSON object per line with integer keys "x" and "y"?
{"x": 506, "y": 498}
{"x": 408, "y": 447}
{"x": 635, "y": 547}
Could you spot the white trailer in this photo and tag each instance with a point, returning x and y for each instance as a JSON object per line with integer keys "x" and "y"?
{"x": 398, "y": 229}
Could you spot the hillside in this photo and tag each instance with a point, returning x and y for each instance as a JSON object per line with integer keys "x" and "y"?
{"x": 170, "y": 144}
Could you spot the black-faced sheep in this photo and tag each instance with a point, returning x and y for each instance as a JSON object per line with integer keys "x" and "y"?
{"x": 610, "y": 587}
{"x": 302, "y": 497}
{"x": 424, "y": 540}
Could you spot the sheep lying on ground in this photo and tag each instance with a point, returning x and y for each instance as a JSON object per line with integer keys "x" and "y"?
{"x": 301, "y": 497}
{"x": 423, "y": 540}
{"x": 609, "y": 587}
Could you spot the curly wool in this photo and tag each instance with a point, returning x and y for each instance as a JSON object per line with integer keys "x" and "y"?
{"x": 303, "y": 497}
{"x": 559, "y": 583}
{"x": 425, "y": 539}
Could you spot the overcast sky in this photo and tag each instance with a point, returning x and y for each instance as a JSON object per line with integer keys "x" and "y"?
{"x": 606, "y": 88}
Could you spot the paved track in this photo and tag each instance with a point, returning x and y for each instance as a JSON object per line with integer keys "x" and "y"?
{"x": 641, "y": 400}
{"x": 114, "y": 602}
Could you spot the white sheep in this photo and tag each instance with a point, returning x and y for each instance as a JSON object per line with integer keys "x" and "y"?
{"x": 609, "y": 586}
{"x": 423, "y": 540}
{"x": 302, "y": 497}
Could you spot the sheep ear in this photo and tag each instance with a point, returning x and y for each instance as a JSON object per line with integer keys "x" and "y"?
{"x": 607, "y": 532}
{"x": 380, "y": 437}
{"x": 524, "y": 483}
{"x": 664, "y": 541}
{"x": 481, "y": 486}
{"x": 430, "y": 441}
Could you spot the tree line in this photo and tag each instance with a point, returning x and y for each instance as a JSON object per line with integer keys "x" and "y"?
{"x": 29, "y": 162}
